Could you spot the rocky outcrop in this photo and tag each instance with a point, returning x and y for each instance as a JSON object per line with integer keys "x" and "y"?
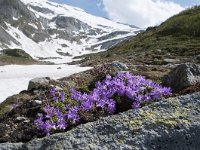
{"x": 6, "y": 38}
{"x": 14, "y": 8}
{"x": 182, "y": 76}
{"x": 37, "y": 83}
{"x": 41, "y": 83}
{"x": 171, "y": 124}
{"x": 16, "y": 53}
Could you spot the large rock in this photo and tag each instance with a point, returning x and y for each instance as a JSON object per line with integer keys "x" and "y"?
{"x": 172, "y": 124}
{"x": 37, "y": 83}
{"x": 182, "y": 76}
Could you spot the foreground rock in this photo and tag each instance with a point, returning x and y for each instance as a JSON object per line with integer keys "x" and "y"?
{"x": 170, "y": 124}
{"x": 182, "y": 76}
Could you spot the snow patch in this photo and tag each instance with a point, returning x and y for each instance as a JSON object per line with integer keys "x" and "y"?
{"x": 15, "y": 78}
{"x": 33, "y": 1}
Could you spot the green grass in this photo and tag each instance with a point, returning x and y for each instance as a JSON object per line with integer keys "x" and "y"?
{"x": 179, "y": 35}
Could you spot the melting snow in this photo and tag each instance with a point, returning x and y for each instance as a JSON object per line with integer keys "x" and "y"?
{"x": 15, "y": 78}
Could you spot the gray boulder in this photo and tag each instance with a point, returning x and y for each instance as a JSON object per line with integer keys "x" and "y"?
{"x": 171, "y": 124}
{"x": 182, "y": 76}
{"x": 37, "y": 83}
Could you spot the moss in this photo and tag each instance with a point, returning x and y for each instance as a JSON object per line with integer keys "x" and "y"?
{"x": 136, "y": 124}
{"x": 120, "y": 141}
{"x": 174, "y": 119}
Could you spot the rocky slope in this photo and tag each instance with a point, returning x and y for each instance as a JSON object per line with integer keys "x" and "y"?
{"x": 46, "y": 29}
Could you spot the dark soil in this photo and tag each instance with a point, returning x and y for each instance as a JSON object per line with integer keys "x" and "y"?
{"x": 191, "y": 89}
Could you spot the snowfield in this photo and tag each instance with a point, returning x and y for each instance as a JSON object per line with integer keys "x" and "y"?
{"x": 15, "y": 78}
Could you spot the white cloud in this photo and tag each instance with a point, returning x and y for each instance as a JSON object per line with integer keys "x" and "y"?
{"x": 142, "y": 13}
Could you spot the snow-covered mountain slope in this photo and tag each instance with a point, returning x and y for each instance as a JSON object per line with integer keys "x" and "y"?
{"x": 47, "y": 30}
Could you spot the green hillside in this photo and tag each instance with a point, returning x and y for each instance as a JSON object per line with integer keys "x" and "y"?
{"x": 176, "y": 38}
{"x": 179, "y": 35}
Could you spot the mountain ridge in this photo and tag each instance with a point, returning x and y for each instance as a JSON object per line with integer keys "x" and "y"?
{"x": 46, "y": 29}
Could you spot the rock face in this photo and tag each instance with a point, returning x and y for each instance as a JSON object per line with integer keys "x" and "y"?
{"x": 172, "y": 124}
{"x": 182, "y": 76}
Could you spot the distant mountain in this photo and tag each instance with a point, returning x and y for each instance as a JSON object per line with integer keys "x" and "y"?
{"x": 176, "y": 40}
{"x": 46, "y": 29}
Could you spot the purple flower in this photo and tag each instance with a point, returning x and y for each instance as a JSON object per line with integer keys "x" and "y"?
{"x": 87, "y": 105}
{"x": 136, "y": 105}
{"x": 73, "y": 114}
{"x": 45, "y": 126}
{"x": 61, "y": 124}
{"x": 137, "y": 89}
{"x": 111, "y": 106}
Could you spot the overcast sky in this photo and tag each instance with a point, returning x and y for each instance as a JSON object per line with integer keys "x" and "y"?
{"x": 142, "y": 13}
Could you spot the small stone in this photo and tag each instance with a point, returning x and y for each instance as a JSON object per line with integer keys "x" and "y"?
{"x": 38, "y": 102}
{"x": 171, "y": 61}
{"x": 26, "y": 121}
{"x": 36, "y": 92}
{"x": 159, "y": 50}
{"x": 21, "y": 118}
{"x": 120, "y": 65}
{"x": 57, "y": 88}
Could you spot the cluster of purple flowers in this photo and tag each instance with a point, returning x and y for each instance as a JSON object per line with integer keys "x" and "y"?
{"x": 136, "y": 89}
{"x": 57, "y": 116}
